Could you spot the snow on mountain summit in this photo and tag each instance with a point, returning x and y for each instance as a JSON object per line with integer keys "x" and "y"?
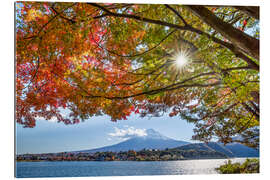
{"x": 151, "y": 133}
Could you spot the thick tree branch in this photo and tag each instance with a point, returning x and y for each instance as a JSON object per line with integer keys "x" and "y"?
{"x": 253, "y": 11}
{"x": 237, "y": 37}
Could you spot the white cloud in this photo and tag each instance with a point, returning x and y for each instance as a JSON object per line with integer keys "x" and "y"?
{"x": 127, "y": 133}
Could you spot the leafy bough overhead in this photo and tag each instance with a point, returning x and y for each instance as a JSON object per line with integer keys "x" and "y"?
{"x": 77, "y": 60}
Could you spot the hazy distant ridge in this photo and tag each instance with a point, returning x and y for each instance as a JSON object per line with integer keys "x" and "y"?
{"x": 230, "y": 150}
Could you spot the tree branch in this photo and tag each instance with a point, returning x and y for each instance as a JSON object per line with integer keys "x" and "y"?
{"x": 249, "y": 109}
{"x": 58, "y": 13}
{"x": 253, "y": 11}
{"x": 237, "y": 37}
{"x": 172, "y": 9}
{"x": 41, "y": 29}
{"x": 155, "y": 91}
{"x": 163, "y": 23}
{"x": 171, "y": 87}
{"x": 134, "y": 55}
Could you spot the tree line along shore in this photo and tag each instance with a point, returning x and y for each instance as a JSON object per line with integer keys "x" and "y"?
{"x": 131, "y": 155}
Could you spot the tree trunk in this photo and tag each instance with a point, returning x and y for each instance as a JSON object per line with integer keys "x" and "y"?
{"x": 253, "y": 11}
{"x": 241, "y": 40}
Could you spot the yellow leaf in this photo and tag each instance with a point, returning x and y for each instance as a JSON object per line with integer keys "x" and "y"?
{"x": 99, "y": 80}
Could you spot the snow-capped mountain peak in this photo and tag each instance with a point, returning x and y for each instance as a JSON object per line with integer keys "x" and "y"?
{"x": 152, "y": 134}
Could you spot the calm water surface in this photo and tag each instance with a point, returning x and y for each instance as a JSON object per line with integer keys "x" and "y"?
{"x": 118, "y": 168}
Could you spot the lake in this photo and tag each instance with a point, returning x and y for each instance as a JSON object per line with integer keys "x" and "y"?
{"x": 118, "y": 168}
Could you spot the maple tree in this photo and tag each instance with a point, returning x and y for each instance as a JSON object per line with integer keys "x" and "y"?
{"x": 86, "y": 59}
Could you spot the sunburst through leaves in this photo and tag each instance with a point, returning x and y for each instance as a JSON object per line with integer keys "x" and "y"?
{"x": 183, "y": 60}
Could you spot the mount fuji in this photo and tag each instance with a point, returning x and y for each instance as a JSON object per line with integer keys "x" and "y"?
{"x": 152, "y": 140}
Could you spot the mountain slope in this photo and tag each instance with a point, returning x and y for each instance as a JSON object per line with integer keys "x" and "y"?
{"x": 153, "y": 140}
{"x": 221, "y": 148}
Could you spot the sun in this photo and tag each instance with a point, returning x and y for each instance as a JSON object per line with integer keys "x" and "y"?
{"x": 182, "y": 59}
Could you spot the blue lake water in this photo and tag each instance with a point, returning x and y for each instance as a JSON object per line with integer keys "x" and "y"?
{"x": 118, "y": 168}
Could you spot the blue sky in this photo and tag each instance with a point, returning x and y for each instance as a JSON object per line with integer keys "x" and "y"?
{"x": 50, "y": 136}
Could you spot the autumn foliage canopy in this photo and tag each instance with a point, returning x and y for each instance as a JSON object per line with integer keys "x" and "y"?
{"x": 201, "y": 63}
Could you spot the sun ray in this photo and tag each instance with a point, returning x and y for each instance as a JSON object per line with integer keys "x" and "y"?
{"x": 182, "y": 60}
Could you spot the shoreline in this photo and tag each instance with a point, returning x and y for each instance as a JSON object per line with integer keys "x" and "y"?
{"x": 135, "y": 160}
